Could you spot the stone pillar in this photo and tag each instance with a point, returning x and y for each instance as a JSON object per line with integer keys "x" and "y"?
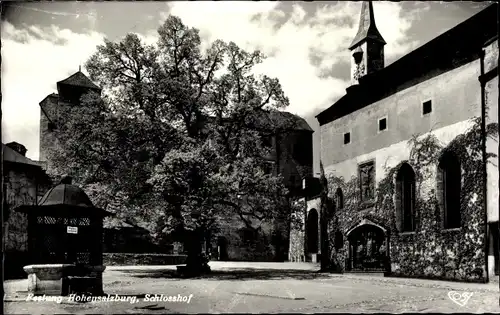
{"x": 46, "y": 279}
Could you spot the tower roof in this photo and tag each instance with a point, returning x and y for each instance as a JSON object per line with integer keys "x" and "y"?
{"x": 79, "y": 79}
{"x": 367, "y": 27}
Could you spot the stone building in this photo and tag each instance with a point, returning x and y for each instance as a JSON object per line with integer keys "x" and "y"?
{"x": 404, "y": 156}
{"x": 24, "y": 182}
{"x": 69, "y": 92}
{"x": 292, "y": 157}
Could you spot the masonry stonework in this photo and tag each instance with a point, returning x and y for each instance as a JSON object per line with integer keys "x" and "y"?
{"x": 48, "y": 119}
{"x": 23, "y": 184}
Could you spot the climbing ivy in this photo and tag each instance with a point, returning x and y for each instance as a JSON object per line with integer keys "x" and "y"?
{"x": 429, "y": 251}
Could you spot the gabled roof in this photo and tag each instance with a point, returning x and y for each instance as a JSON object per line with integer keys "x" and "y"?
{"x": 10, "y": 155}
{"x": 268, "y": 120}
{"x": 79, "y": 79}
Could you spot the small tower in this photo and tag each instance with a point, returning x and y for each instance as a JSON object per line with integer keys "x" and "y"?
{"x": 367, "y": 48}
{"x": 70, "y": 90}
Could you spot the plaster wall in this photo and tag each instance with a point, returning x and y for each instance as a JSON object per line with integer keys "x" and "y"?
{"x": 491, "y": 98}
{"x": 455, "y": 97}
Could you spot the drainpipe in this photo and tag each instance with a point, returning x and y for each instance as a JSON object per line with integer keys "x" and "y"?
{"x": 484, "y": 164}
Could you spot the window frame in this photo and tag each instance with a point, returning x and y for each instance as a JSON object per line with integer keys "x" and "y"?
{"x": 422, "y": 107}
{"x": 343, "y": 138}
{"x": 443, "y": 190}
{"x": 386, "y": 124}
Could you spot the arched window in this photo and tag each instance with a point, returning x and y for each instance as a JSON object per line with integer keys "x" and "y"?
{"x": 449, "y": 182}
{"x": 312, "y": 231}
{"x": 339, "y": 199}
{"x": 405, "y": 197}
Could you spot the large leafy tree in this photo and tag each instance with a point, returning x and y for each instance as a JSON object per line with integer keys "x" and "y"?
{"x": 176, "y": 136}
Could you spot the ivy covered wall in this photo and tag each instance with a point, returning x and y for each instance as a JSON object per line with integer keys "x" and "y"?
{"x": 430, "y": 251}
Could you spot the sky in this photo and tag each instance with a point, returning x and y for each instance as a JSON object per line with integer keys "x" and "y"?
{"x": 306, "y": 44}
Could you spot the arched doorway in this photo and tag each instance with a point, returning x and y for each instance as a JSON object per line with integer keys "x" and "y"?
{"x": 312, "y": 231}
{"x": 367, "y": 249}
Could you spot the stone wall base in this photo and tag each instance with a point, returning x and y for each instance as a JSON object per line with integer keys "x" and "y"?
{"x": 55, "y": 279}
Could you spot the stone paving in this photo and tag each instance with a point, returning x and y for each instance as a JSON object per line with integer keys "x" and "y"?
{"x": 263, "y": 287}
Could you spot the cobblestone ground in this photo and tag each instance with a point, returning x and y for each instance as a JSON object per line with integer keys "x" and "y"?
{"x": 264, "y": 287}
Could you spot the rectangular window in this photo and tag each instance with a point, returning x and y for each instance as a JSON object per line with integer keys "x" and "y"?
{"x": 347, "y": 138}
{"x": 382, "y": 124}
{"x": 367, "y": 181}
{"x": 427, "y": 107}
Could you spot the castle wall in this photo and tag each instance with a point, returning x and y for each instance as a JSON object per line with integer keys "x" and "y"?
{"x": 22, "y": 186}
{"x": 48, "y": 114}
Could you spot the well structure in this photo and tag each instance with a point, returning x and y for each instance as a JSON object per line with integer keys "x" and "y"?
{"x": 65, "y": 233}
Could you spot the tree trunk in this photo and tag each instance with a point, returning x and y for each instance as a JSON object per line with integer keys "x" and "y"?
{"x": 196, "y": 261}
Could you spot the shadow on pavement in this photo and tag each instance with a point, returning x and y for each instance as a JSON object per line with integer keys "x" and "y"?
{"x": 235, "y": 274}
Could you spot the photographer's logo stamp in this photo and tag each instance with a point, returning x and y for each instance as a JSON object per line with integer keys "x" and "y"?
{"x": 460, "y": 298}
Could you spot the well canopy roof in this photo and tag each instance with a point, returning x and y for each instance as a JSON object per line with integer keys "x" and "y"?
{"x": 66, "y": 197}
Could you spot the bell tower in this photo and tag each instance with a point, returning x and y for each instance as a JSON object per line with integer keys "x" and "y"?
{"x": 367, "y": 48}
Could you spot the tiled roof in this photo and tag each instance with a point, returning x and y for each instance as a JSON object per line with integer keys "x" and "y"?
{"x": 79, "y": 79}
{"x": 289, "y": 121}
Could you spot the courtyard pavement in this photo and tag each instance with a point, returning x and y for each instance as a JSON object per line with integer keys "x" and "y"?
{"x": 243, "y": 287}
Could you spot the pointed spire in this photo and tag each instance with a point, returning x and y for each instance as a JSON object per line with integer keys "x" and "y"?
{"x": 367, "y": 27}
{"x": 80, "y": 68}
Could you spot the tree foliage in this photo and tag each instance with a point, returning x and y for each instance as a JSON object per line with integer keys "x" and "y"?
{"x": 172, "y": 138}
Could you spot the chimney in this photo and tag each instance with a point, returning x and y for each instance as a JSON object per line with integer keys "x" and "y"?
{"x": 19, "y": 148}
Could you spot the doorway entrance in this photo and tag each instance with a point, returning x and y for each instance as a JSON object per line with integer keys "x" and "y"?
{"x": 367, "y": 249}
{"x": 222, "y": 248}
{"x": 312, "y": 232}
